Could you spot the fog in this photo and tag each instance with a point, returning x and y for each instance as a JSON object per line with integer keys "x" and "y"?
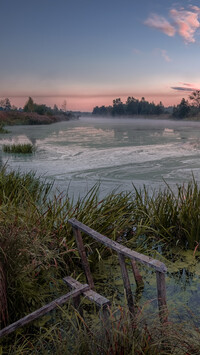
{"x": 117, "y": 152}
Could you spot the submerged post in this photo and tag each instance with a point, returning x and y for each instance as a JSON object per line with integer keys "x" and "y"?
{"x": 161, "y": 292}
{"x": 82, "y": 252}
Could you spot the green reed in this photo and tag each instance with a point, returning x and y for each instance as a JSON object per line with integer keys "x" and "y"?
{"x": 18, "y": 148}
{"x": 37, "y": 247}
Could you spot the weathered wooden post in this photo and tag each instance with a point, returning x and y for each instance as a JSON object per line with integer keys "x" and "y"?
{"x": 138, "y": 278}
{"x": 161, "y": 292}
{"x": 82, "y": 252}
{"x": 127, "y": 284}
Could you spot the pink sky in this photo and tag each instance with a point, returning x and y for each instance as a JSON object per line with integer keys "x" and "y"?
{"x": 88, "y": 102}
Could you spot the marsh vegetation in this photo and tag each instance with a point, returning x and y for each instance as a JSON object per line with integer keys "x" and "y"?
{"x": 18, "y": 148}
{"x": 37, "y": 249}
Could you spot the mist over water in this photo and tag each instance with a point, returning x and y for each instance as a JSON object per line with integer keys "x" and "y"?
{"x": 118, "y": 152}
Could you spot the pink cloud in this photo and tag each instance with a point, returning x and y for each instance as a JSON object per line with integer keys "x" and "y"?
{"x": 186, "y": 22}
{"x": 160, "y": 23}
{"x": 187, "y": 84}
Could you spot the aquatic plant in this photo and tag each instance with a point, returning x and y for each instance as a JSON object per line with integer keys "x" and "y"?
{"x": 2, "y": 129}
{"x": 171, "y": 217}
{"x": 18, "y": 148}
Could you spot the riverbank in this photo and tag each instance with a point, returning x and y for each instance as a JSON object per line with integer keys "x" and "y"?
{"x": 11, "y": 118}
{"x": 38, "y": 249}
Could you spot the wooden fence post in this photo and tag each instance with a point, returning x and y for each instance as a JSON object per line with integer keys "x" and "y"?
{"x": 82, "y": 252}
{"x": 138, "y": 278}
{"x": 161, "y": 292}
{"x": 126, "y": 282}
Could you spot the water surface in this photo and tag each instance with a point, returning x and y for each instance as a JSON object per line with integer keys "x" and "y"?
{"x": 117, "y": 152}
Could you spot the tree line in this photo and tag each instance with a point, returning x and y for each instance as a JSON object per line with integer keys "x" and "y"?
{"x": 31, "y": 106}
{"x": 188, "y": 109}
{"x": 132, "y": 106}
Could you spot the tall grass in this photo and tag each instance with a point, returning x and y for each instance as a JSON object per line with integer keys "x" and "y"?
{"x": 73, "y": 334}
{"x": 18, "y": 148}
{"x": 169, "y": 216}
{"x": 37, "y": 249}
{"x": 37, "y": 246}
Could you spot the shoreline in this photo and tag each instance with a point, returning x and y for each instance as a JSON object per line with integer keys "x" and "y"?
{"x": 11, "y": 118}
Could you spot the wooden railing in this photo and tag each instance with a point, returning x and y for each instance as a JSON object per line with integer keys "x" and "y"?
{"x": 43, "y": 310}
{"x": 87, "y": 290}
{"x": 123, "y": 252}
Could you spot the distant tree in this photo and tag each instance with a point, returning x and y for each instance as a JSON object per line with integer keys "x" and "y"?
{"x": 118, "y": 107}
{"x": 64, "y": 106}
{"x": 182, "y": 110}
{"x": 159, "y": 109}
{"x": 195, "y": 98}
{"x": 55, "y": 108}
{"x": 132, "y": 106}
{"x": 5, "y": 104}
{"x": 29, "y": 105}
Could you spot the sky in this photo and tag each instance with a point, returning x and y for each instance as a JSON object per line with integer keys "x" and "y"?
{"x": 89, "y": 52}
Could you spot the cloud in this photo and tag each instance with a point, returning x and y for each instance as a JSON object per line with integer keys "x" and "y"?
{"x": 160, "y": 23}
{"x": 187, "y": 84}
{"x": 184, "y": 22}
{"x": 165, "y": 55}
{"x": 181, "y": 88}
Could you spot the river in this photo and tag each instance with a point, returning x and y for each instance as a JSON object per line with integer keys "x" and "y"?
{"x": 118, "y": 152}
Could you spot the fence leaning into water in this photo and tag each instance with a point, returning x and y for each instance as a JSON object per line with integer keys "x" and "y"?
{"x": 123, "y": 253}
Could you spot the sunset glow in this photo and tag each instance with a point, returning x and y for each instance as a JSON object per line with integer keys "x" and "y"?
{"x": 89, "y": 53}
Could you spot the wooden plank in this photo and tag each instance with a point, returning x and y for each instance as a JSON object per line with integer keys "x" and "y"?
{"x": 127, "y": 284}
{"x": 43, "y": 310}
{"x": 161, "y": 292}
{"x": 90, "y": 294}
{"x": 156, "y": 264}
{"x": 82, "y": 252}
{"x": 138, "y": 278}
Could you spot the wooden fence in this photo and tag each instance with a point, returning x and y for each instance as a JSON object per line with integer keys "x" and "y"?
{"x": 123, "y": 252}
{"x": 87, "y": 290}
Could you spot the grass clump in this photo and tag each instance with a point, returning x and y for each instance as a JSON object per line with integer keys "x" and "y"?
{"x": 2, "y": 129}
{"x": 169, "y": 217}
{"x": 18, "y": 148}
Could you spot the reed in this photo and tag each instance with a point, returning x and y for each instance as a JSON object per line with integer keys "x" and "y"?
{"x": 2, "y": 129}
{"x": 37, "y": 249}
{"x": 18, "y": 148}
{"x": 73, "y": 334}
{"x": 171, "y": 217}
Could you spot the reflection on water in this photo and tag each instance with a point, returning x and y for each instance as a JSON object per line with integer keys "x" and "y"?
{"x": 182, "y": 286}
{"x": 118, "y": 152}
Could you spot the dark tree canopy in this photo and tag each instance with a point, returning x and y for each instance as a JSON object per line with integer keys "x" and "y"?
{"x": 131, "y": 107}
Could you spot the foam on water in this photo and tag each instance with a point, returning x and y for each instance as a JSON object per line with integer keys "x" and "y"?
{"x": 117, "y": 152}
